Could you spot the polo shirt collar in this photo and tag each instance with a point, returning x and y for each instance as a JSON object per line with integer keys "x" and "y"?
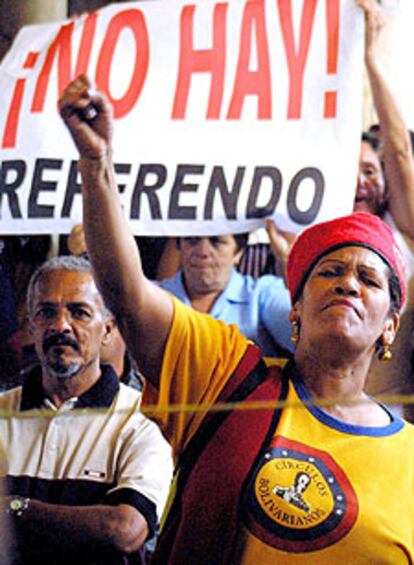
{"x": 236, "y": 290}
{"x": 100, "y": 395}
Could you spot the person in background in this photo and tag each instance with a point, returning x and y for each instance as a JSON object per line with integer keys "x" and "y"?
{"x": 113, "y": 352}
{"x": 386, "y": 187}
{"x": 89, "y": 481}
{"x": 375, "y": 194}
{"x": 209, "y": 282}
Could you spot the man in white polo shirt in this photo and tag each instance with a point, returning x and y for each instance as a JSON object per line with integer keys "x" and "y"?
{"x": 88, "y": 477}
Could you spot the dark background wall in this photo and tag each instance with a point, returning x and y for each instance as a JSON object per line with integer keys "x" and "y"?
{"x": 17, "y": 13}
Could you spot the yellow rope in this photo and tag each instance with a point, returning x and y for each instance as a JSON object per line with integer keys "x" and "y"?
{"x": 219, "y": 407}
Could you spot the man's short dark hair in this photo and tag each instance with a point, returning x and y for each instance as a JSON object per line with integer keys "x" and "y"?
{"x": 372, "y": 140}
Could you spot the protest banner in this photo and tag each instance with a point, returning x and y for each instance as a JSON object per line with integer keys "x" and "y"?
{"x": 225, "y": 113}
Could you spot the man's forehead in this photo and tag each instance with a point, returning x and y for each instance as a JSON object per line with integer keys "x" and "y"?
{"x": 70, "y": 286}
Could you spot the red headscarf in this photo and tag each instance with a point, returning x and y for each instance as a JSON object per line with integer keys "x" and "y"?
{"x": 360, "y": 228}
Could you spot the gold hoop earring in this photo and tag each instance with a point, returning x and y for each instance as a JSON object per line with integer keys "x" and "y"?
{"x": 385, "y": 353}
{"x": 294, "y": 338}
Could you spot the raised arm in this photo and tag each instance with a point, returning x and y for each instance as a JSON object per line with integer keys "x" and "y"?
{"x": 397, "y": 151}
{"x": 143, "y": 311}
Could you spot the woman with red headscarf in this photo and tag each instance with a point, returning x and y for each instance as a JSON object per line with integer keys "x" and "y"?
{"x": 326, "y": 476}
{"x": 385, "y": 187}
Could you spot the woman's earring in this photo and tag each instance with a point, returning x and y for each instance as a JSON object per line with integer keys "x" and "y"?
{"x": 385, "y": 353}
{"x": 294, "y": 338}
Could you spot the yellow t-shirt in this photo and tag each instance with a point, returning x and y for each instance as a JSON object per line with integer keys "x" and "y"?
{"x": 201, "y": 354}
{"x": 324, "y": 491}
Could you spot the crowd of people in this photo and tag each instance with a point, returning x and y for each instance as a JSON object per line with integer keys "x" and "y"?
{"x": 311, "y": 473}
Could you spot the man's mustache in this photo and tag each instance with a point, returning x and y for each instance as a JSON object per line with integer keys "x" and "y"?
{"x": 59, "y": 339}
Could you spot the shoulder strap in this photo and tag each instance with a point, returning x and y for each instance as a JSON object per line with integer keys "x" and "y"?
{"x": 230, "y": 394}
{"x": 201, "y": 523}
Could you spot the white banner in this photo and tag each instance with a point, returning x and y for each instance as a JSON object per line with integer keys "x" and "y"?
{"x": 225, "y": 113}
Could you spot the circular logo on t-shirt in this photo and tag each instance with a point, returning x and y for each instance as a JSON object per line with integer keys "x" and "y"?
{"x": 300, "y": 500}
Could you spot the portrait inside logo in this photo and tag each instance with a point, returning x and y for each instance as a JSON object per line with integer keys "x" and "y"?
{"x": 299, "y": 498}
